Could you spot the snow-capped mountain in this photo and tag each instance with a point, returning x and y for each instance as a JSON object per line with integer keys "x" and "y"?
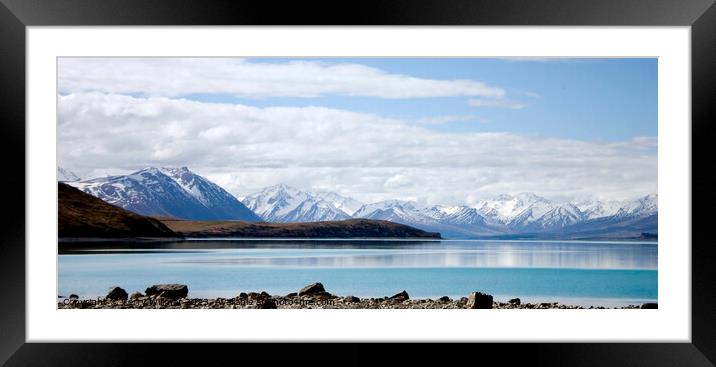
{"x": 502, "y": 215}
{"x": 345, "y": 204}
{"x": 180, "y": 193}
{"x": 522, "y": 208}
{"x": 536, "y": 219}
{"x": 395, "y": 211}
{"x": 506, "y": 214}
{"x": 643, "y": 206}
{"x": 647, "y": 205}
{"x": 64, "y": 175}
{"x": 282, "y": 203}
{"x": 171, "y": 192}
{"x": 593, "y": 209}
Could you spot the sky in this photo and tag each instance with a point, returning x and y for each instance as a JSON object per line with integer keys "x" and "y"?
{"x": 436, "y": 130}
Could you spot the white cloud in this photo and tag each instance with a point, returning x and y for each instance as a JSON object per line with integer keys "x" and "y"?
{"x": 363, "y": 155}
{"x": 172, "y": 77}
{"x": 499, "y": 103}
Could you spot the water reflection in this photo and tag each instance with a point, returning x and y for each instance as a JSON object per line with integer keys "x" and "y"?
{"x": 387, "y": 254}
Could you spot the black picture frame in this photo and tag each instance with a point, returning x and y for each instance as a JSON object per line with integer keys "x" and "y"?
{"x": 16, "y": 15}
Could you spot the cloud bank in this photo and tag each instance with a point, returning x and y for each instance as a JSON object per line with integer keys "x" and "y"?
{"x": 366, "y": 156}
{"x": 174, "y": 77}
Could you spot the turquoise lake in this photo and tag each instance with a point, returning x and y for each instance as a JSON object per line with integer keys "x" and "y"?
{"x": 585, "y": 273}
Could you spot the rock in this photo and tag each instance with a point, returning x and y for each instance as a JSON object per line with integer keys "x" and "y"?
{"x": 264, "y": 295}
{"x": 267, "y": 304}
{"x": 253, "y": 295}
{"x": 477, "y": 300}
{"x": 74, "y": 296}
{"x": 444, "y": 299}
{"x": 243, "y": 295}
{"x": 516, "y": 301}
{"x": 117, "y": 294}
{"x": 352, "y": 299}
{"x": 402, "y": 296}
{"x": 292, "y": 294}
{"x": 312, "y": 289}
{"x": 136, "y": 295}
{"x": 171, "y": 291}
{"x": 650, "y": 306}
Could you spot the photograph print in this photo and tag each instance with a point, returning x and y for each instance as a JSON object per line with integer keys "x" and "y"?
{"x": 357, "y": 183}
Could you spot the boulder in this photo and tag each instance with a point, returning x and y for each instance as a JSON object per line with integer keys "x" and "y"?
{"x": 136, "y": 295}
{"x": 74, "y": 296}
{"x": 477, "y": 300}
{"x": 312, "y": 289}
{"x": 117, "y": 294}
{"x": 516, "y": 301}
{"x": 352, "y": 299}
{"x": 267, "y": 304}
{"x": 650, "y": 306}
{"x": 171, "y": 291}
{"x": 444, "y": 299}
{"x": 402, "y": 296}
{"x": 243, "y": 295}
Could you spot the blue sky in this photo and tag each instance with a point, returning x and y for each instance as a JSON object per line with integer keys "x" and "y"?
{"x": 586, "y": 99}
{"x": 442, "y": 131}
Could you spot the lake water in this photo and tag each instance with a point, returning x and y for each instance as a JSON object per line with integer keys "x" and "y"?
{"x": 586, "y": 273}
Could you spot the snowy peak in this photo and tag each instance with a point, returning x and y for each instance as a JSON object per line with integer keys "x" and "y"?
{"x": 172, "y": 192}
{"x": 64, "y": 175}
{"x": 345, "y": 204}
{"x": 283, "y": 203}
{"x": 522, "y": 207}
{"x": 459, "y": 215}
{"x": 643, "y": 206}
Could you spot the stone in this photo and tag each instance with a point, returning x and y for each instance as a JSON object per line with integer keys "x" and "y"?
{"x": 516, "y": 301}
{"x": 478, "y": 300}
{"x": 171, "y": 291}
{"x": 117, "y": 294}
{"x": 444, "y": 299}
{"x": 243, "y": 295}
{"x": 74, "y": 296}
{"x": 312, "y": 289}
{"x": 136, "y": 295}
{"x": 352, "y": 299}
{"x": 264, "y": 295}
{"x": 650, "y": 306}
{"x": 402, "y": 296}
{"x": 266, "y": 304}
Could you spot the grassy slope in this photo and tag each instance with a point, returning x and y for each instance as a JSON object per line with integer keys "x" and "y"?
{"x": 352, "y": 228}
{"x": 83, "y": 215}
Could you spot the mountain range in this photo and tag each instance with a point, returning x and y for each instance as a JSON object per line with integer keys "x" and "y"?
{"x": 521, "y": 215}
{"x": 180, "y": 193}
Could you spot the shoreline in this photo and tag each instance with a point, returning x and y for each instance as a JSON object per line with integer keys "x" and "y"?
{"x": 62, "y": 240}
{"x": 313, "y": 296}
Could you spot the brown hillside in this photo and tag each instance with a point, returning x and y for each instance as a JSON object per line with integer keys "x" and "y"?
{"x": 352, "y": 228}
{"x": 83, "y": 215}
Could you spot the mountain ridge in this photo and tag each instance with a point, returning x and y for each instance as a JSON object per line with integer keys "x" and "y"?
{"x": 171, "y": 192}
{"x": 182, "y": 194}
{"x": 503, "y": 215}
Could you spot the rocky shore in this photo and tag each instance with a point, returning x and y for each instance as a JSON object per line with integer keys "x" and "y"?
{"x": 313, "y": 296}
